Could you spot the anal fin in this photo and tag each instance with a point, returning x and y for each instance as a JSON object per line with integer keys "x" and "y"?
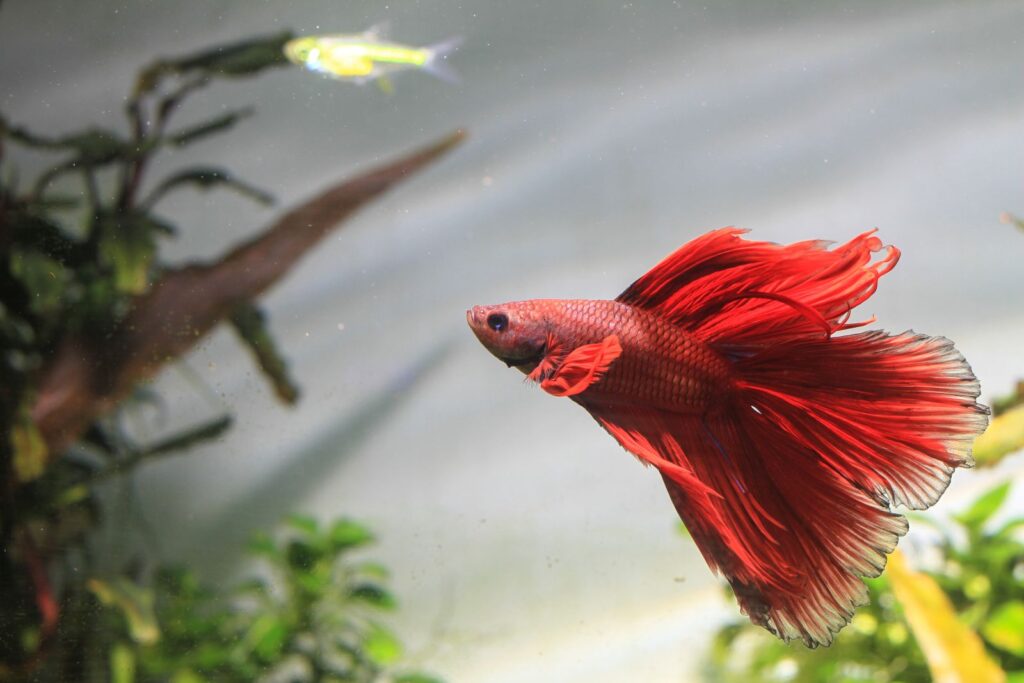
{"x": 792, "y": 539}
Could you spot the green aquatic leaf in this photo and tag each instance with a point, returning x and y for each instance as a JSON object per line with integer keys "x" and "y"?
{"x": 266, "y": 637}
{"x": 54, "y": 202}
{"x": 1008, "y": 528}
{"x": 95, "y": 147}
{"x": 314, "y": 579}
{"x": 373, "y": 594}
{"x": 201, "y": 130}
{"x": 132, "y": 601}
{"x": 415, "y": 677}
{"x": 187, "y": 676}
{"x": 984, "y": 507}
{"x": 381, "y": 645}
{"x": 44, "y": 279}
{"x": 122, "y": 664}
{"x": 33, "y": 228}
{"x": 190, "y": 437}
{"x": 1005, "y": 628}
{"x": 250, "y": 323}
{"x": 306, "y": 525}
{"x": 92, "y": 147}
{"x": 29, "y": 447}
{"x": 261, "y": 544}
{"x": 302, "y": 556}
{"x": 239, "y": 59}
{"x": 127, "y": 246}
{"x": 345, "y": 534}
{"x": 373, "y": 570}
{"x": 72, "y": 495}
{"x": 206, "y": 178}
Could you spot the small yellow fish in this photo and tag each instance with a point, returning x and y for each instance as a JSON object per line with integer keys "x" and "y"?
{"x": 368, "y": 56}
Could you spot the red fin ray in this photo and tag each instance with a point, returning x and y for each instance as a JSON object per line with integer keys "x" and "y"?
{"x": 790, "y": 536}
{"x": 716, "y": 496}
{"x": 631, "y": 432}
{"x": 745, "y": 293}
{"x": 893, "y": 414}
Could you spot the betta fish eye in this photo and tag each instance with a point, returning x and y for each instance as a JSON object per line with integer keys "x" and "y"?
{"x": 497, "y": 322}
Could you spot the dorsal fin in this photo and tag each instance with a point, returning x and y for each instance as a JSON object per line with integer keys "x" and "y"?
{"x": 379, "y": 31}
{"x": 737, "y": 292}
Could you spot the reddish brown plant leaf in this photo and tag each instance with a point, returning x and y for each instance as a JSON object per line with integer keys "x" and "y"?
{"x": 87, "y": 377}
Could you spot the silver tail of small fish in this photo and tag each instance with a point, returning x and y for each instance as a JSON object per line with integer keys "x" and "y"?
{"x": 437, "y": 63}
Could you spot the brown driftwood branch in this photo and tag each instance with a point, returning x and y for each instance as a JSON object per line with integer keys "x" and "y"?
{"x": 88, "y": 377}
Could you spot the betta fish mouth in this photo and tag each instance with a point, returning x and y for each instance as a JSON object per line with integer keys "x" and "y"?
{"x": 531, "y": 361}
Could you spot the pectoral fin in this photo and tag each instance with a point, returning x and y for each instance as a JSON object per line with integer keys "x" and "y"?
{"x": 582, "y": 367}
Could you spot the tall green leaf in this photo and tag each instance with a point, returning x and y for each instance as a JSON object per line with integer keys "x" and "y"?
{"x": 43, "y": 278}
{"x": 1005, "y": 628}
{"x": 29, "y": 448}
{"x": 201, "y": 130}
{"x": 346, "y": 533}
{"x": 381, "y": 645}
{"x": 244, "y": 58}
{"x": 984, "y": 507}
{"x": 122, "y": 664}
{"x": 206, "y": 178}
{"x": 250, "y": 322}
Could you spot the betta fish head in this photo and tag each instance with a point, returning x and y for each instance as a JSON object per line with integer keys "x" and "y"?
{"x": 516, "y": 333}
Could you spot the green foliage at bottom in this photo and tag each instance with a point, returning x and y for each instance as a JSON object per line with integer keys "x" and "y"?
{"x": 313, "y": 613}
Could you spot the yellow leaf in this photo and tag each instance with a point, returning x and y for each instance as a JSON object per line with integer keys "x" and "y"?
{"x": 1004, "y": 436}
{"x": 954, "y": 652}
{"x": 134, "y": 602}
{"x": 29, "y": 450}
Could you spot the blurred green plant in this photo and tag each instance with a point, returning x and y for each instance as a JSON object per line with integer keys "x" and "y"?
{"x": 979, "y": 565}
{"x": 1005, "y": 434}
{"x": 88, "y": 312}
{"x": 313, "y": 614}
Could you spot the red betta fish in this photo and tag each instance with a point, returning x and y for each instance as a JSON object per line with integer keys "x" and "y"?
{"x": 784, "y": 446}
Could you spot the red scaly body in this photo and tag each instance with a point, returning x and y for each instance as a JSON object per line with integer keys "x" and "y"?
{"x": 783, "y": 445}
{"x": 661, "y": 364}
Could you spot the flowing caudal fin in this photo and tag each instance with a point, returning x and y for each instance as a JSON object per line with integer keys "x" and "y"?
{"x": 437, "y": 60}
{"x": 786, "y": 485}
{"x": 890, "y": 414}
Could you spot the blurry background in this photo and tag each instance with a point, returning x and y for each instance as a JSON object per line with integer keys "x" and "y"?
{"x": 525, "y": 544}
